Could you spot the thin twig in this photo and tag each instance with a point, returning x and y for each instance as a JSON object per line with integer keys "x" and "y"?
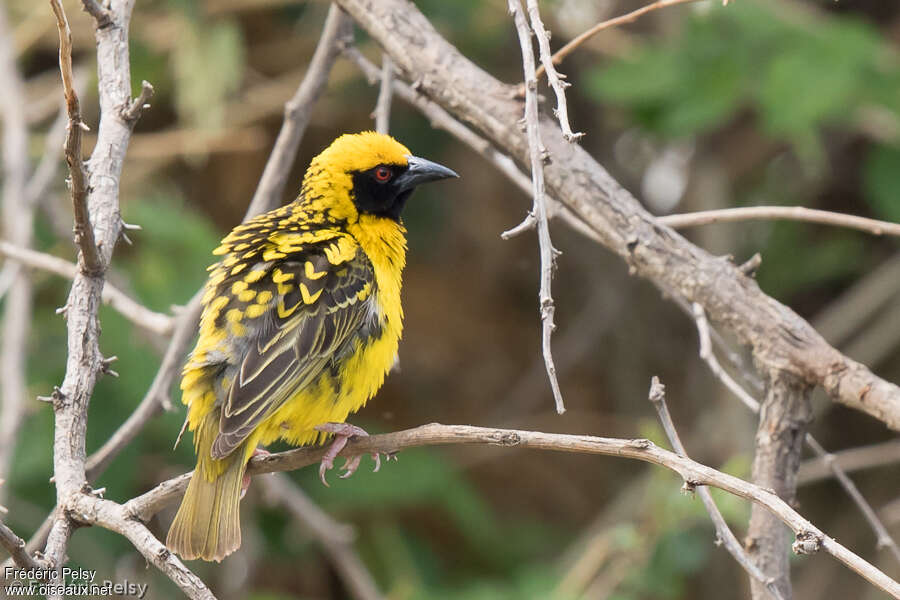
{"x": 385, "y": 92}
{"x": 132, "y": 310}
{"x": 16, "y": 548}
{"x": 810, "y": 538}
{"x": 884, "y": 539}
{"x": 536, "y": 152}
{"x": 45, "y": 173}
{"x": 84, "y": 232}
{"x": 657, "y": 397}
{"x": 772, "y": 213}
{"x": 554, "y": 78}
{"x": 336, "y": 538}
{"x": 621, "y": 20}
{"x": 297, "y": 111}
{"x": 854, "y": 459}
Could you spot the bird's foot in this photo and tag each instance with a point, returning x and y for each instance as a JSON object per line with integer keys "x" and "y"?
{"x": 343, "y": 432}
{"x": 245, "y": 482}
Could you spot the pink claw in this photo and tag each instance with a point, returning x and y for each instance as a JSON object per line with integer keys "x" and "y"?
{"x": 342, "y": 432}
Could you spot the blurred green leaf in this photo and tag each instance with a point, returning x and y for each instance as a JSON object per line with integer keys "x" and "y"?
{"x": 881, "y": 182}
{"x": 208, "y": 65}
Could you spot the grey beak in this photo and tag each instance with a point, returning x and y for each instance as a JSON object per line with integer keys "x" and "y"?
{"x": 421, "y": 171}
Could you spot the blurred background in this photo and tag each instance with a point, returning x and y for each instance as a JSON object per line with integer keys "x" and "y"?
{"x": 694, "y": 107}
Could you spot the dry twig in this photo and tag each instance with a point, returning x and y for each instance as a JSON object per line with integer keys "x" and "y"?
{"x": 775, "y": 213}
{"x": 132, "y": 310}
{"x": 382, "y": 112}
{"x": 828, "y": 460}
{"x": 84, "y": 232}
{"x": 537, "y": 152}
{"x": 554, "y": 78}
{"x": 16, "y": 548}
{"x": 657, "y": 397}
{"x": 581, "y": 38}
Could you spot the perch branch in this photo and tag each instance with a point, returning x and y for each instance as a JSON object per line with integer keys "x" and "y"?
{"x": 810, "y": 538}
{"x": 536, "y": 152}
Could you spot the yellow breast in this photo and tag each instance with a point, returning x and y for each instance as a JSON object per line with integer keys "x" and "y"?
{"x": 347, "y": 387}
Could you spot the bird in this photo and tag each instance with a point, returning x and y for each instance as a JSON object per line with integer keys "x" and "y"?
{"x": 301, "y": 324}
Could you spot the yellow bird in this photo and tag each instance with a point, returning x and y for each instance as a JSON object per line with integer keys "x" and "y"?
{"x": 301, "y": 324}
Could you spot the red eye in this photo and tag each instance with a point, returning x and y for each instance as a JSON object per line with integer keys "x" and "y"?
{"x": 383, "y": 174}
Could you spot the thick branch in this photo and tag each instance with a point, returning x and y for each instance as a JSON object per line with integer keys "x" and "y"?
{"x": 781, "y": 339}
{"x": 783, "y": 417}
{"x": 145, "y": 506}
{"x": 109, "y": 515}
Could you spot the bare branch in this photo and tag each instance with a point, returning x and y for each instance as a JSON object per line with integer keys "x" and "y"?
{"x": 16, "y": 548}
{"x": 554, "y": 78}
{"x": 135, "y": 312}
{"x": 774, "y": 213}
{"x": 536, "y": 153}
{"x": 336, "y": 538}
{"x": 657, "y": 397}
{"x": 884, "y": 539}
{"x": 84, "y": 232}
{"x": 781, "y": 338}
{"x": 337, "y": 31}
{"x": 145, "y": 506}
{"x": 382, "y": 112}
{"x": 829, "y": 462}
{"x": 109, "y": 515}
{"x": 854, "y": 459}
{"x": 621, "y": 20}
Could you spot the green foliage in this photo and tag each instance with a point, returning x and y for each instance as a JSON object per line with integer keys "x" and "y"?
{"x": 881, "y": 181}
{"x": 208, "y": 65}
{"x": 796, "y": 78}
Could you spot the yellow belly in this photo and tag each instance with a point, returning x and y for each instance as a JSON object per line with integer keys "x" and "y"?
{"x": 337, "y": 393}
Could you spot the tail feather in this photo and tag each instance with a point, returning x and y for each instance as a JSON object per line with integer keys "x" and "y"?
{"x": 207, "y": 524}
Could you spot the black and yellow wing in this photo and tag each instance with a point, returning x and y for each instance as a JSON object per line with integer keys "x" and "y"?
{"x": 323, "y": 299}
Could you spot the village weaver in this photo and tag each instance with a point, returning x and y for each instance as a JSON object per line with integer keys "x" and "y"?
{"x": 301, "y": 324}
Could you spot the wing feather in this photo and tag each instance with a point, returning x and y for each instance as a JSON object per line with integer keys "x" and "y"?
{"x": 292, "y": 350}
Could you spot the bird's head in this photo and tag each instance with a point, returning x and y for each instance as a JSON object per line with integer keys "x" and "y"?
{"x": 368, "y": 173}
